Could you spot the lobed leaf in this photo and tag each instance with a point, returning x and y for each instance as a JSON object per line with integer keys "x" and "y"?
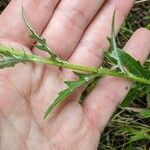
{"x": 72, "y": 86}
{"x": 89, "y": 88}
{"x": 114, "y": 48}
{"x": 126, "y": 64}
{"x": 133, "y": 66}
{"x": 7, "y": 59}
{"x": 8, "y": 62}
{"x": 42, "y": 44}
{"x": 122, "y": 60}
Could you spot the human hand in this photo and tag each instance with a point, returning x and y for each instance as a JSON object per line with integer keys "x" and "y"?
{"x": 28, "y": 89}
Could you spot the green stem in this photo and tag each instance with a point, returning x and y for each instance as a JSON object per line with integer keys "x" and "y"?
{"x": 101, "y": 71}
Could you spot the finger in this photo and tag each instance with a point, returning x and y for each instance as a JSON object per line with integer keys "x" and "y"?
{"x": 37, "y": 12}
{"x": 62, "y": 34}
{"x": 68, "y": 24}
{"x": 94, "y": 41}
{"x": 110, "y": 91}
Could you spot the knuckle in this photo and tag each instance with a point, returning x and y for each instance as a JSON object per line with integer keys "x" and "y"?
{"x": 47, "y": 4}
{"x": 93, "y": 48}
{"x": 75, "y": 17}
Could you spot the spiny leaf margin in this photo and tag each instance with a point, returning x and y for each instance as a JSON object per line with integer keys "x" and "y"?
{"x": 72, "y": 86}
{"x": 41, "y": 42}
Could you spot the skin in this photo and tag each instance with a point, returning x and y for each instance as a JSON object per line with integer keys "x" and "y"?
{"x": 76, "y": 31}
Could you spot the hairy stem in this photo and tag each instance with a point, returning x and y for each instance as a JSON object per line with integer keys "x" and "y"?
{"x": 100, "y": 71}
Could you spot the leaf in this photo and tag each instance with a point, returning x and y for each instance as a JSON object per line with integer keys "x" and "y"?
{"x": 72, "y": 86}
{"x": 10, "y": 60}
{"x": 89, "y": 88}
{"x": 114, "y": 48}
{"x": 42, "y": 45}
{"x": 123, "y": 61}
{"x": 132, "y": 66}
{"x": 145, "y": 113}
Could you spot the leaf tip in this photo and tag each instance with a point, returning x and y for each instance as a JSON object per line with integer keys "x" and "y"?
{"x": 46, "y": 114}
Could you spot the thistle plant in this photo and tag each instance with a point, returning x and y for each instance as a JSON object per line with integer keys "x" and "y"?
{"x": 121, "y": 65}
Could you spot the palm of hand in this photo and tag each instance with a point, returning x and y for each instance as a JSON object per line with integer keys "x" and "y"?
{"x": 28, "y": 89}
{"x": 24, "y": 93}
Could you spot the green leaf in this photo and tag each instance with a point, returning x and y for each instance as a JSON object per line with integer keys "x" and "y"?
{"x": 42, "y": 45}
{"x": 145, "y": 113}
{"x": 89, "y": 88}
{"x": 72, "y": 86}
{"x": 122, "y": 60}
{"x": 114, "y": 48}
{"x": 8, "y": 62}
{"x": 133, "y": 66}
{"x": 8, "y": 59}
{"x": 130, "y": 64}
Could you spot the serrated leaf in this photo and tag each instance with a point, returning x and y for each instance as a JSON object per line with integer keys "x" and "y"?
{"x": 110, "y": 59}
{"x": 114, "y": 48}
{"x": 10, "y": 60}
{"x": 122, "y": 60}
{"x": 89, "y": 88}
{"x": 130, "y": 64}
{"x": 72, "y": 86}
{"x": 43, "y": 45}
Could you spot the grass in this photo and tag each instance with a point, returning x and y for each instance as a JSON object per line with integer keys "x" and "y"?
{"x": 129, "y": 128}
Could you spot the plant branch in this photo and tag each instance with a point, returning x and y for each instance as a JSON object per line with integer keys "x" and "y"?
{"x": 100, "y": 71}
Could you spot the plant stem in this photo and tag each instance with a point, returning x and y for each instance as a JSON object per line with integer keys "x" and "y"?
{"x": 101, "y": 71}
